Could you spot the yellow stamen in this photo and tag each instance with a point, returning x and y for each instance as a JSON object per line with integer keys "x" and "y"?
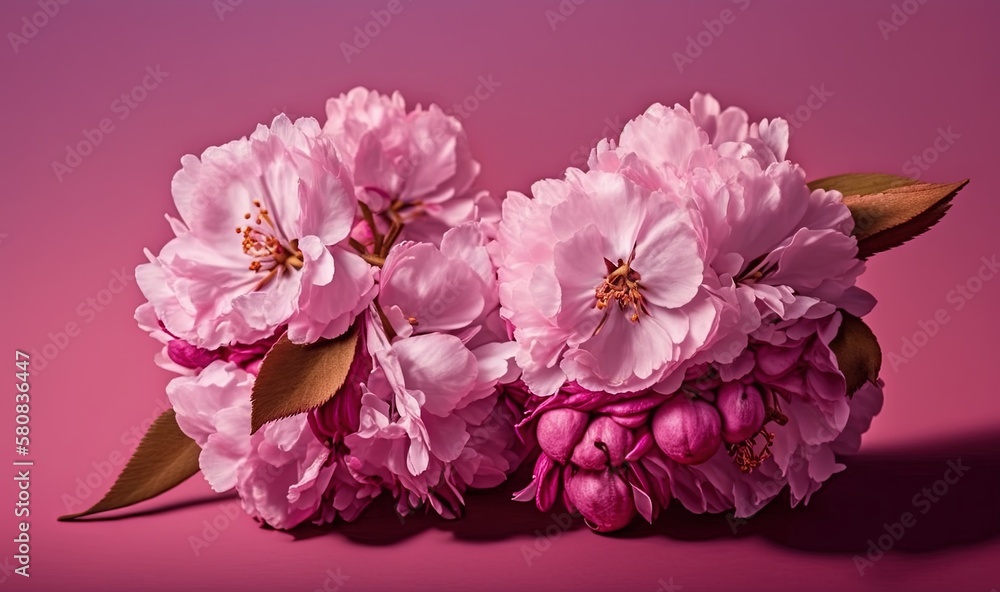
{"x": 267, "y": 251}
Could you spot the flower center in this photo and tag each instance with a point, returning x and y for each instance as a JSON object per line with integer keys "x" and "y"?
{"x": 621, "y": 285}
{"x": 269, "y": 255}
{"x": 745, "y": 453}
{"x": 756, "y": 270}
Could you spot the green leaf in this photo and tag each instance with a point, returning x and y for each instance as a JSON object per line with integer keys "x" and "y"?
{"x": 165, "y": 458}
{"x": 295, "y": 378}
{"x": 890, "y": 210}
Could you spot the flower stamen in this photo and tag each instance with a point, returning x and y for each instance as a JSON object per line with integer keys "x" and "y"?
{"x": 269, "y": 255}
{"x": 622, "y": 284}
{"x": 743, "y": 453}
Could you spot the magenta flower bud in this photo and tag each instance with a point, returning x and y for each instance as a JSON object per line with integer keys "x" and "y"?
{"x": 688, "y": 430}
{"x": 247, "y": 357}
{"x": 742, "y": 410}
{"x": 559, "y": 430}
{"x": 604, "y": 444}
{"x": 631, "y": 421}
{"x": 603, "y": 498}
{"x": 184, "y": 354}
{"x": 547, "y": 474}
{"x": 339, "y": 416}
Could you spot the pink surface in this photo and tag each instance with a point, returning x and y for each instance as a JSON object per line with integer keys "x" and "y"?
{"x": 868, "y": 97}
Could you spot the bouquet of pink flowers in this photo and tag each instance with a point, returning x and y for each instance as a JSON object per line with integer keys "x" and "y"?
{"x": 348, "y": 317}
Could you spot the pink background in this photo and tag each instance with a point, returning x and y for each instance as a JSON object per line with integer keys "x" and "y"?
{"x": 558, "y": 90}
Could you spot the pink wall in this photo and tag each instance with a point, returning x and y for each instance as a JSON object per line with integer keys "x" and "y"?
{"x": 923, "y": 88}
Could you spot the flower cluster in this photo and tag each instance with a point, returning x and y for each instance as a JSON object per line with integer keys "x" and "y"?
{"x": 348, "y": 317}
{"x": 673, "y": 308}
{"x": 367, "y": 227}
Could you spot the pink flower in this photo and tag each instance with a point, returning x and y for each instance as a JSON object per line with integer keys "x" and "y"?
{"x": 283, "y": 474}
{"x": 432, "y": 416}
{"x": 213, "y": 409}
{"x": 730, "y": 439}
{"x": 797, "y": 374}
{"x": 286, "y": 475}
{"x": 602, "y": 280}
{"x": 261, "y": 243}
{"x": 181, "y": 357}
{"x": 770, "y": 240}
{"x": 414, "y": 164}
{"x": 447, "y": 289}
{"x": 145, "y": 317}
{"x": 426, "y": 399}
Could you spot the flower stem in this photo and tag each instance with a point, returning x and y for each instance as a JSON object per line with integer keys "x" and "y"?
{"x": 370, "y": 220}
{"x": 390, "y": 333}
{"x": 375, "y": 260}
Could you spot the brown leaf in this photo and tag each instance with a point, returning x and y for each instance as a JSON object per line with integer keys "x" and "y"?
{"x": 164, "y": 458}
{"x": 295, "y": 378}
{"x": 858, "y": 354}
{"x": 861, "y": 183}
{"x": 890, "y": 210}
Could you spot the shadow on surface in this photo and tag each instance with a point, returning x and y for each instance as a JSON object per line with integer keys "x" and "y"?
{"x": 852, "y": 508}
{"x": 875, "y": 490}
{"x": 160, "y": 509}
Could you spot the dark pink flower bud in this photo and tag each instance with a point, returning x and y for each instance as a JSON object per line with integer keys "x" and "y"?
{"x": 603, "y": 497}
{"x": 248, "y": 357}
{"x": 339, "y": 416}
{"x": 742, "y": 410}
{"x": 547, "y": 473}
{"x": 184, "y": 354}
{"x": 688, "y": 430}
{"x": 559, "y": 430}
{"x": 631, "y": 421}
{"x": 604, "y": 444}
